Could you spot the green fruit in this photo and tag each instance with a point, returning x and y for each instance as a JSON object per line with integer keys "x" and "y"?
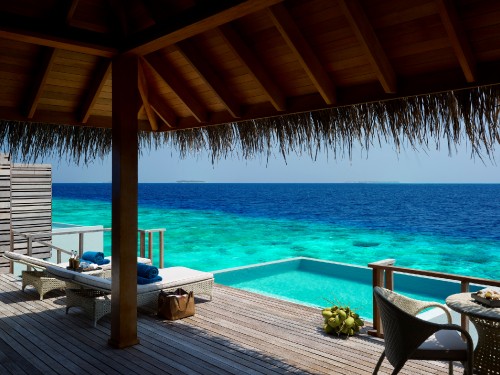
{"x": 328, "y": 328}
{"x": 350, "y": 332}
{"x": 359, "y": 322}
{"x": 327, "y": 314}
{"x": 342, "y": 314}
{"x": 349, "y": 322}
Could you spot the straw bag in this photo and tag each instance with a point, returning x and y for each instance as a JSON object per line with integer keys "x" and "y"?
{"x": 175, "y": 305}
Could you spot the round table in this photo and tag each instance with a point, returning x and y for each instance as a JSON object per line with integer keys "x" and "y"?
{"x": 487, "y": 322}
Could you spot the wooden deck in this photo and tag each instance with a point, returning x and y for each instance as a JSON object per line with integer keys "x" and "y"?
{"x": 237, "y": 333}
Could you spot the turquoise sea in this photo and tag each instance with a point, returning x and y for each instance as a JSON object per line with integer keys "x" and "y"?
{"x": 452, "y": 228}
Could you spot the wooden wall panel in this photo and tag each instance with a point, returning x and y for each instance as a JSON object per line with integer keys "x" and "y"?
{"x": 4, "y": 211}
{"x": 31, "y": 205}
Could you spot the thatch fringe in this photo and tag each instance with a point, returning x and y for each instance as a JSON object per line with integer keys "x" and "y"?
{"x": 468, "y": 115}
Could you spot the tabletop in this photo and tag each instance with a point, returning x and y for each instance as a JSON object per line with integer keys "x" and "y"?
{"x": 464, "y": 303}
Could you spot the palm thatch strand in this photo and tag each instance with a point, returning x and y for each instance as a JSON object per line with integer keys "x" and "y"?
{"x": 470, "y": 115}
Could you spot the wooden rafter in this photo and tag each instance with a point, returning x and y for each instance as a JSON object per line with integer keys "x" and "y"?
{"x": 27, "y": 30}
{"x": 368, "y": 39}
{"x": 37, "y": 86}
{"x": 458, "y": 38}
{"x": 152, "y": 101}
{"x": 167, "y": 72}
{"x": 199, "y": 62}
{"x": 303, "y": 52}
{"x": 144, "y": 93}
{"x": 97, "y": 83}
{"x": 73, "y": 4}
{"x": 255, "y": 67}
{"x": 206, "y": 17}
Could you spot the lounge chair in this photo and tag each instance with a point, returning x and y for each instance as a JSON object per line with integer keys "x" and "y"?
{"x": 39, "y": 278}
{"x": 94, "y": 293}
{"x": 409, "y": 337}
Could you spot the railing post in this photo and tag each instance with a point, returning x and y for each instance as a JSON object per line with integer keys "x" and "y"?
{"x": 162, "y": 248}
{"x": 389, "y": 279}
{"x": 464, "y": 321}
{"x": 142, "y": 245}
{"x": 150, "y": 246}
{"x": 378, "y": 280}
{"x": 80, "y": 244}
{"x": 11, "y": 268}
{"x": 30, "y": 250}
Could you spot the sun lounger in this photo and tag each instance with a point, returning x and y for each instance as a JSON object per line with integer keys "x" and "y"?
{"x": 39, "y": 278}
{"x": 94, "y": 293}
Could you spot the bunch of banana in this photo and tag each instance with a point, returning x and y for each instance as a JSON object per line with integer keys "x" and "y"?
{"x": 341, "y": 320}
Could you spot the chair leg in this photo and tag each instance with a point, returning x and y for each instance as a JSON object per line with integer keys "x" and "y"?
{"x": 379, "y": 363}
{"x": 450, "y": 368}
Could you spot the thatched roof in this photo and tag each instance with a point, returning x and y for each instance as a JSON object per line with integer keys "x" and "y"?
{"x": 421, "y": 122}
{"x": 245, "y": 75}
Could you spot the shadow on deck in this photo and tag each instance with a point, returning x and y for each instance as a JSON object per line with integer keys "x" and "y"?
{"x": 237, "y": 333}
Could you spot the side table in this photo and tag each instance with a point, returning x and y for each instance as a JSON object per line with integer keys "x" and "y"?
{"x": 487, "y": 323}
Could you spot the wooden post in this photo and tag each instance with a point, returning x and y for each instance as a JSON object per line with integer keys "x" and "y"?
{"x": 124, "y": 202}
{"x": 464, "y": 321}
{"x": 150, "y": 246}
{"x": 30, "y": 250}
{"x": 378, "y": 280}
{"x": 162, "y": 249}
{"x": 143, "y": 245}
{"x": 80, "y": 245}
{"x": 389, "y": 279}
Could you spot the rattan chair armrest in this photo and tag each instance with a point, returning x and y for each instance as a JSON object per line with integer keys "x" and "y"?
{"x": 426, "y": 305}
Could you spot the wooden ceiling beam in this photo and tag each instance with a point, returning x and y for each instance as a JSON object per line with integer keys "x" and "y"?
{"x": 161, "y": 108}
{"x": 199, "y": 62}
{"x": 458, "y": 38}
{"x": 168, "y": 74}
{"x": 256, "y": 69}
{"x": 37, "y": 86}
{"x": 206, "y": 16}
{"x": 54, "y": 35}
{"x": 366, "y": 36}
{"x": 144, "y": 93}
{"x": 100, "y": 76}
{"x": 303, "y": 52}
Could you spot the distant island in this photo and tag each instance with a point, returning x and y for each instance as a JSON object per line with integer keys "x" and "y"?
{"x": 189, "y": 181}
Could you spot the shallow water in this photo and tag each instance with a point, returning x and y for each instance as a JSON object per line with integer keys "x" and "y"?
{"x": 448, "y": 228}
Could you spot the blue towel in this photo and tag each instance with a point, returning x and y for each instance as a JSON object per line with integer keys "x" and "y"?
{"x": 146, "y": 271}
{"x": 96, "y": 257}
{"x": 143, "y": 280}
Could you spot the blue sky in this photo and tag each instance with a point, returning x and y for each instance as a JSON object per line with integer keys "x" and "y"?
{"x": 382, "y": 164}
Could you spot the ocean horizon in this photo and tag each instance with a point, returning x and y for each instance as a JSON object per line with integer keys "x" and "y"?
{"x": 451, "y": 228}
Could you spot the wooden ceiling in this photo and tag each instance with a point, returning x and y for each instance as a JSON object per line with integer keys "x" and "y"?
{"x": 212, "y": 62}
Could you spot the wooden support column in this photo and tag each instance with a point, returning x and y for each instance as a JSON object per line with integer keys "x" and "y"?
{"x": 124, "y": 202}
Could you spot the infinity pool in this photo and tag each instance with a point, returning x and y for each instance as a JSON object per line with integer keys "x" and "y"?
{"x": 321, "y": 283}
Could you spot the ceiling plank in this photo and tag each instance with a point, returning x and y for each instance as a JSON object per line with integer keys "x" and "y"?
{"x": 303, "y": 52}
{"x": 199, "y": 62}
{"x": 207, "y": 16}
{"x": 100, "y": 76}
{"x": 456, "y": 34}
{"x": 37, "y": 86}
{"x": 167, "y": 72}
{"x": 257, "y": 70}
{"x": 369, "y": 42}
{"x": 27, "y": 30}
{"x": 144, "y": 93}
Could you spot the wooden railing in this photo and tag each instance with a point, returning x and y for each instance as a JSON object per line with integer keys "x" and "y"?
{"x": 383, "y": 276}
{"x": 148, "y": 233}
{"x": 35, "y": 237}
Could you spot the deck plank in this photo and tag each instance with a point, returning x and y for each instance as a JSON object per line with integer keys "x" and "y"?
{"x": 237, "y": 333}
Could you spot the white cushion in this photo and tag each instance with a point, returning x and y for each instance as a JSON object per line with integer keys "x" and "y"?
{"x": 61, "y": 273}
{"x": 35, "y": 262}
{"x": 93, "y": 282}
{"x": 175, "y": 277}
{"x": 444, "y": 339}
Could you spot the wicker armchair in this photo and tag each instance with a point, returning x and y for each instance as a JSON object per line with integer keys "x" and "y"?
{"x": 408, "y": 337}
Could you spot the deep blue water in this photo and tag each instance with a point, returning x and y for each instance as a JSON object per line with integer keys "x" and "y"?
{"x": 455, "y": 210}
{"x": 447, "y": 227}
